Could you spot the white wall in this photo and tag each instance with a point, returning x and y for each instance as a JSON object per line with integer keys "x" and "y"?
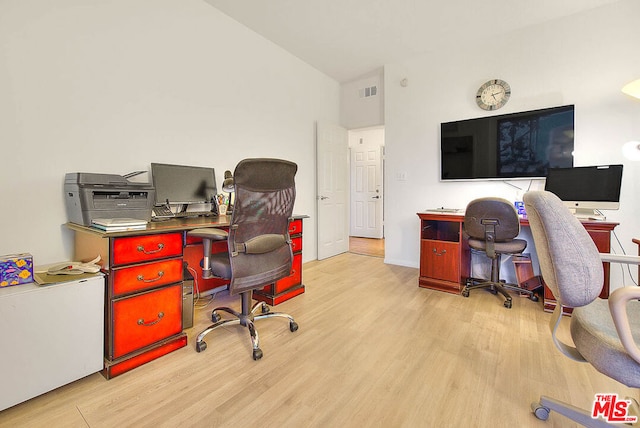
{"x": 358, "y": 112}
{"x": 582, "y": 60}
{"x": 111, "y": 86}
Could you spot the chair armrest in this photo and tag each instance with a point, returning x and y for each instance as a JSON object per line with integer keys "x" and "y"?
{"x": 615, "y": 258}
{"x": 211, "y": 233}
{"x": 262, "y": 244}
{"x": 618, "y": 307}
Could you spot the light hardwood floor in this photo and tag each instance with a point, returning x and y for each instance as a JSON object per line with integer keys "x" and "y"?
{"x": 373, "y": 350}
{"x": 366, "y": 246}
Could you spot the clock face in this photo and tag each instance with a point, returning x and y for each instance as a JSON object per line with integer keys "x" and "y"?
{"x": 493, "y": 94}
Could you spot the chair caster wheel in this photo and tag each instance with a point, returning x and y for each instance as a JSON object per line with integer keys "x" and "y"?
{"x": 265, "y": 308}
{"x": 293, "y": 326}
{"x": 257, "y": 354}
{"x": 201, "y": 346}
{"x": 507, "y": 304}
{"x": 534, "y": 298}
{"x": 540, "y": 411}
{"x": 215, "y": 317}
{"x": 465, "y": 293}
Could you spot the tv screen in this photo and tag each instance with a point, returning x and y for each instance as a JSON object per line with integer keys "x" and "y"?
{"x": 181, "y": 184}
{"x": 516, "y": 145}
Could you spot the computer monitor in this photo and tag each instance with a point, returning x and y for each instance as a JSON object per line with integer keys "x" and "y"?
{"x": 181, "y": 184}
{"x": 587, "y": 189}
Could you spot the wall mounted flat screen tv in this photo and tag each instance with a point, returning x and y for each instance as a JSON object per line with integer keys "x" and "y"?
{"x": 509, "y": 146}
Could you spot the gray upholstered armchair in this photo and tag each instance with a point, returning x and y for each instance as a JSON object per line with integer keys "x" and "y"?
{"x": 259, "y": 247}
{"x": 605, "y": 333}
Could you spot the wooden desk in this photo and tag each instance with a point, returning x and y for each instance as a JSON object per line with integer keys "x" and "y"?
{"x": 445, "y": 255}
{"x": 144, "y": 293}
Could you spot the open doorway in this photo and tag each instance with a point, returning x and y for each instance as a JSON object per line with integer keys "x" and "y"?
{"x": 366, "y": 223}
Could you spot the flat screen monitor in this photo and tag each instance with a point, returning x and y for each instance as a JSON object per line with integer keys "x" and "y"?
{"x": 181, "y": 184}
{"x": 587, "y": 188}
{"x": 509, "y": 146}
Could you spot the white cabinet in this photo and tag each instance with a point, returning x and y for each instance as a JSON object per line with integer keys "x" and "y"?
{"x": 51, "y": 335}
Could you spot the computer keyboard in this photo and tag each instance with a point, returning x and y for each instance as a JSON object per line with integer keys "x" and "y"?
{"x": 445, "y": 210}
{"x": 163, "y": 212}
{"x": 194, "y": 214}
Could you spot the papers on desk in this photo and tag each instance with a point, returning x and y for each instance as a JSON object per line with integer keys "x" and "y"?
{"x": 118, "y": 224}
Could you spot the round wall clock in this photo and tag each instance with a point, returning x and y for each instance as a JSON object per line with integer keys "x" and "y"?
{"x": 493, "y": 94}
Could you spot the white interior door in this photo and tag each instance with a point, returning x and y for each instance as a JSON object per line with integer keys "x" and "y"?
{"x": 332, "y": 176}
{"x": 366, "y": 185}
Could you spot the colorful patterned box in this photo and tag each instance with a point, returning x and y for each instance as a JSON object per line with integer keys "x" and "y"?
{"x": 16, "y": 269}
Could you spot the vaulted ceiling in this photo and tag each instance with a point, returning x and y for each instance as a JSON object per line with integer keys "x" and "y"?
{"x": 346, "y": 39}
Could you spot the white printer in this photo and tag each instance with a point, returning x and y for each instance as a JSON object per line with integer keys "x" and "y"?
{"x": 91, "y": 195}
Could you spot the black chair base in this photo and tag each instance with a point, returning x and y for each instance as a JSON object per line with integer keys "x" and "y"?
{"x": 245, "y": 318}
{"x": 497, "y": 287}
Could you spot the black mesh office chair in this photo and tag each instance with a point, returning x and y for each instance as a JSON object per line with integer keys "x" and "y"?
{"x": 492, "y": 225}
{"x": 258, "y": 241}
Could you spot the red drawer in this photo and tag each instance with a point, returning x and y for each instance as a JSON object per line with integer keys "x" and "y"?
{"x": 136, "y": 249}
{"x": 144, "y": 319}
{"x": 144, "y": 276}
{"x": 296, "y": 244}
{"x": 294, "y": 279}
{"x": 112, "y": 370}
{"x": 295, "y": 227}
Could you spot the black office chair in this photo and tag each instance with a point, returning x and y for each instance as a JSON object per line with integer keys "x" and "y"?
{"x": 258, "y": 241}
{"x": 492, "y": 225}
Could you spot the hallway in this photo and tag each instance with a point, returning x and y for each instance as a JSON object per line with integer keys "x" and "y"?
{"x": 366, "y": 246}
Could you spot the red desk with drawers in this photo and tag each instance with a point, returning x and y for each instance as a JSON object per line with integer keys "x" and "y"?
{"x": 144, "y": 272}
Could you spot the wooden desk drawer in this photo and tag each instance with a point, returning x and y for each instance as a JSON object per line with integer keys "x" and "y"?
{"x": 144, "y": 276}
{"x": 144, "y": 319}
{"x": 440, "y": 260}
{"x": 136, "y": 249}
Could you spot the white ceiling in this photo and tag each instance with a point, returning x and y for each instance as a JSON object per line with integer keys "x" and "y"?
{"x": 346, "y": 39}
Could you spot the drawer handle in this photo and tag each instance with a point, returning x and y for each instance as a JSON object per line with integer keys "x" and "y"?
{"x": 150, "y": 323}
{"x": 142, "y": 250}
{"x": 441, "y": 253}
{"x": 141, "y": 278}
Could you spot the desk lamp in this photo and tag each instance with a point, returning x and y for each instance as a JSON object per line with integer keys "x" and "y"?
{"x": 631, "y": 149}
{"x": 228, "y": 186}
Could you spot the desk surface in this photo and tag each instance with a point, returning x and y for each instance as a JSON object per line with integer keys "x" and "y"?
{"x": 170, "y": 225}
{"x": 163, "y": 226}
{"x": 459, "y": 216}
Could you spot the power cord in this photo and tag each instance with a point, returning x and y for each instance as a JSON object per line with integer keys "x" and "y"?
{"x": 196, "y": 290}
{"x": 622, "y": 265}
